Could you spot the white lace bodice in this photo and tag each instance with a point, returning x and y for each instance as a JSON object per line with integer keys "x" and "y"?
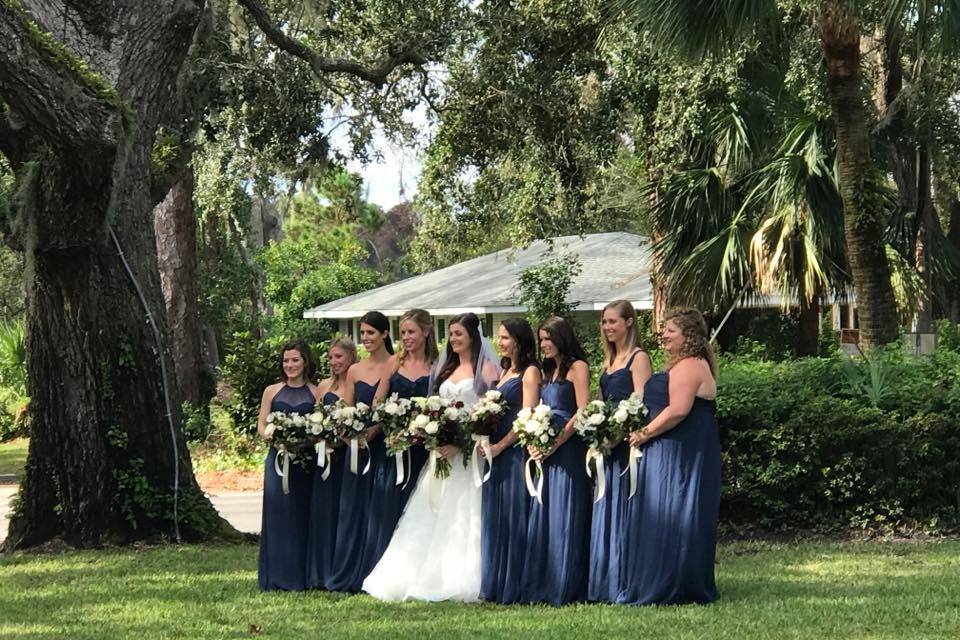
{"x": 461, "y": 390}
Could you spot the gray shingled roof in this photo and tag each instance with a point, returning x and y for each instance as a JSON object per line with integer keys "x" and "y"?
{"x": 614, "y": 266}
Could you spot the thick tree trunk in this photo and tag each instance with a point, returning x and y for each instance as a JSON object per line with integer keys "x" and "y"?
{"x": 808, "y": 338}
{"x": 106, "y": 464}
{"x": 863, "y": 218}
{"x": 926, "y": 219}
{"x": 176, "y": 230}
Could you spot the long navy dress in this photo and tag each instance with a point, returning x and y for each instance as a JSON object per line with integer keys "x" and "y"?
{"x": 350, "y": 564}
{"x": 670, "y": 533}
{"x": 558, "y": 531}
{"x": 609, "y": 512}
{"x": 505, "y": 509}
{"x": 286, "y": 517}
{"x": 324, "y": 508}
{"x": 389, "y": 499}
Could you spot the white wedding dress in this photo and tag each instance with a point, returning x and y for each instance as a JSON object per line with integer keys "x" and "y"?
{"x": 435, "y": 552}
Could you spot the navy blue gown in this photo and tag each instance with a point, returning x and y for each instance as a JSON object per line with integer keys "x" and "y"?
{"x": 505, "y": 509}
{"x": 286, "y": 517}
{"x": 608, "y": 513}
{"x": 351, "y": 559}
{"x": 670, "y": 533}
{"x": 558, "y": 532}
{"x": 324, "y": 508}
{"x": 388, "y": 499}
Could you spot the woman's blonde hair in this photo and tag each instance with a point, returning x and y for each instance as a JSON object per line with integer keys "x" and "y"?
{"x": 626, "y": 311}
{"x": 425, "y": 322}
{"x": 696, "y": 337}
{"x": 347, "y": 346}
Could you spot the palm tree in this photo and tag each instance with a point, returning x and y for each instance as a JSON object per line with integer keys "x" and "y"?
{"x": 698, "y": 26}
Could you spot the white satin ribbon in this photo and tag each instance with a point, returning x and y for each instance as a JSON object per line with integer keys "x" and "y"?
{"x": 324, "y": 458}
{"x": 481, "y": 443}
{"x": 355, "y": 456}
{"x": 285, "y": 472}
{"x": 436, "y": 486}
{"x": 401, "y": 471}
{"x": 635, "y": 456}
{"x": 594, "y": 454}
{"x": 535, "y": 491}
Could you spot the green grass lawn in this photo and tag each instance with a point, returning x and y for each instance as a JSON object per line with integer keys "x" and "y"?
{"x": 13, "y": 455}
{"x": 809, "y": 590}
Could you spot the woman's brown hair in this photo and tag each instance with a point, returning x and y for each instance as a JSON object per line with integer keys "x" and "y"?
{"x": 696, "y": 337}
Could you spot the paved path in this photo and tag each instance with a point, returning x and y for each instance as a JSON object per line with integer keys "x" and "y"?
{"x": 242, "y": 510}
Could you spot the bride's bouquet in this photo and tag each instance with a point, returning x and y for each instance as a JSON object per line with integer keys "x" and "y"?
{"x": 630, "y": 415}
{"x": 325, "y": 437}
{"x": 289, "y": 435}
{"x": 350, "y": 422}
{"x": 393, "y": 415}
{"x": 436, "y": 422}
{"x": 534, "y": 428}
{"x": 481, "y": 422}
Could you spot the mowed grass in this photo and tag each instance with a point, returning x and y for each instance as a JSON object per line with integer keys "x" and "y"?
{"x": 807, "y": 590}
{"x": 13, "y": 456}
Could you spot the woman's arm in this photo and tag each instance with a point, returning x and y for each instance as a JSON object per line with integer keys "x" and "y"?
{"x": 265, "y": 401}
{"x": 641, "y": 371}
{"x": 685, "y": 379}
{"x": 579, "y": 375}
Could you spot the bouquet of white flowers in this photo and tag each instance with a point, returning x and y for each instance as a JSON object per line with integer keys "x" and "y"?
{"x": 289, "y": 435}
{"x": 350, "y": 422}
{"x": 482, "y": 421}
{"x": 436, "y": 422}
{"x": 394, "y": 417}
{"x": 631, "y": 415}
{"x": 601, "y": 434}
{"x": 534, "y": 428}
{"x": 325, "y": 436}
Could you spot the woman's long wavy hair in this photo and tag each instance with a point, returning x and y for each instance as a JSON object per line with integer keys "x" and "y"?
{"x": 379, "y": 322}
{"x": 425, "y": 322}
{"x": 696, "y": 337}
{"x": 568, "y": 348}
{"x": 626, "y": 311}
{"x": 526, "y": 354}
{"x": 471, "y": 323}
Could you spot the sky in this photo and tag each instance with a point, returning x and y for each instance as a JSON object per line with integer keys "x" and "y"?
{"x": 393, "y": 178}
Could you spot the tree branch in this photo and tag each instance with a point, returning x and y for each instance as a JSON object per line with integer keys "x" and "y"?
{"x": 376, "y": 75}
{"x": 57, "y": 96}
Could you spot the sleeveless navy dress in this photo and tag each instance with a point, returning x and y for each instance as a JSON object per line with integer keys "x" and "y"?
{"x": 609, "y": 512}
{"x": 324, "y": 508}
{"x": 558, "y": 532}
{"x": 350, "y": 563}
{"x": 670, "y": 533}
{"x": 388, "y": 499}
{"x": 505, "y": 509}
{"x": 286, "y": 517}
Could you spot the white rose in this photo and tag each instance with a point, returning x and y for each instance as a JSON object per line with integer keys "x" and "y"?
{"x": 315, "y": 418}
{"x": 542, "y": 411}
{"x": 596, "y": 419}
{"x": 434, "y": 403}
{"x": 420, "y": 421}
{"x": 432, "y": 427}
{"x": 621, "y": 415}
{"x": 391, "y": 408}
{"x": 451, "y": 413}
{"x": 493, "y": 395}
{"x": 544, "y": 439}
{"x": 268, "y": 432}
{"x": 298, "y": 421}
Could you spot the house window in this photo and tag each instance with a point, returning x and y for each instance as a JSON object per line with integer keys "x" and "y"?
{"x": 394, "y": 329}
{"x": 441, "y": 331}
{"x": 488, "y": 325}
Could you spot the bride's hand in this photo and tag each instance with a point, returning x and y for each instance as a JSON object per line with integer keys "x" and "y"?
{"x": 448, "y": 451}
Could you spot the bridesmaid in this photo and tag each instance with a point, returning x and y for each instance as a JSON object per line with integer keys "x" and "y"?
{"x": 283, "y": 532}
{"x": 626, "y": 370}
{"x": 410, "y": 378}
{"x": 353, "y": 553}
{"x": 558, "y": 533}
{"x": 505, "y": 505}
{"x": 670, "y": 537}
{"x": 324, "y": 503}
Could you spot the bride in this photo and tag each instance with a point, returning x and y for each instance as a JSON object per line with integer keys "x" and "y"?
{"x": 435, "y": 552}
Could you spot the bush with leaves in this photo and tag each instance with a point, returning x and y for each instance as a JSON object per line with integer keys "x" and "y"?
{"x": 543, "y": 288}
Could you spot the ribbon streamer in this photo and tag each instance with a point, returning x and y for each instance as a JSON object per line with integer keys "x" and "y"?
{"x": 285, "y": 472}
{"x": 635, "y": 456}
{"x": 355, "y": 455}
{"x": 436, "y": 485}
{"x": 401, "y": 471}
{"x": 534, "y": 491}
{"x": 481, "y": 443}
{"x": 594, "y": 454}
{"x": 324, "y": 458}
